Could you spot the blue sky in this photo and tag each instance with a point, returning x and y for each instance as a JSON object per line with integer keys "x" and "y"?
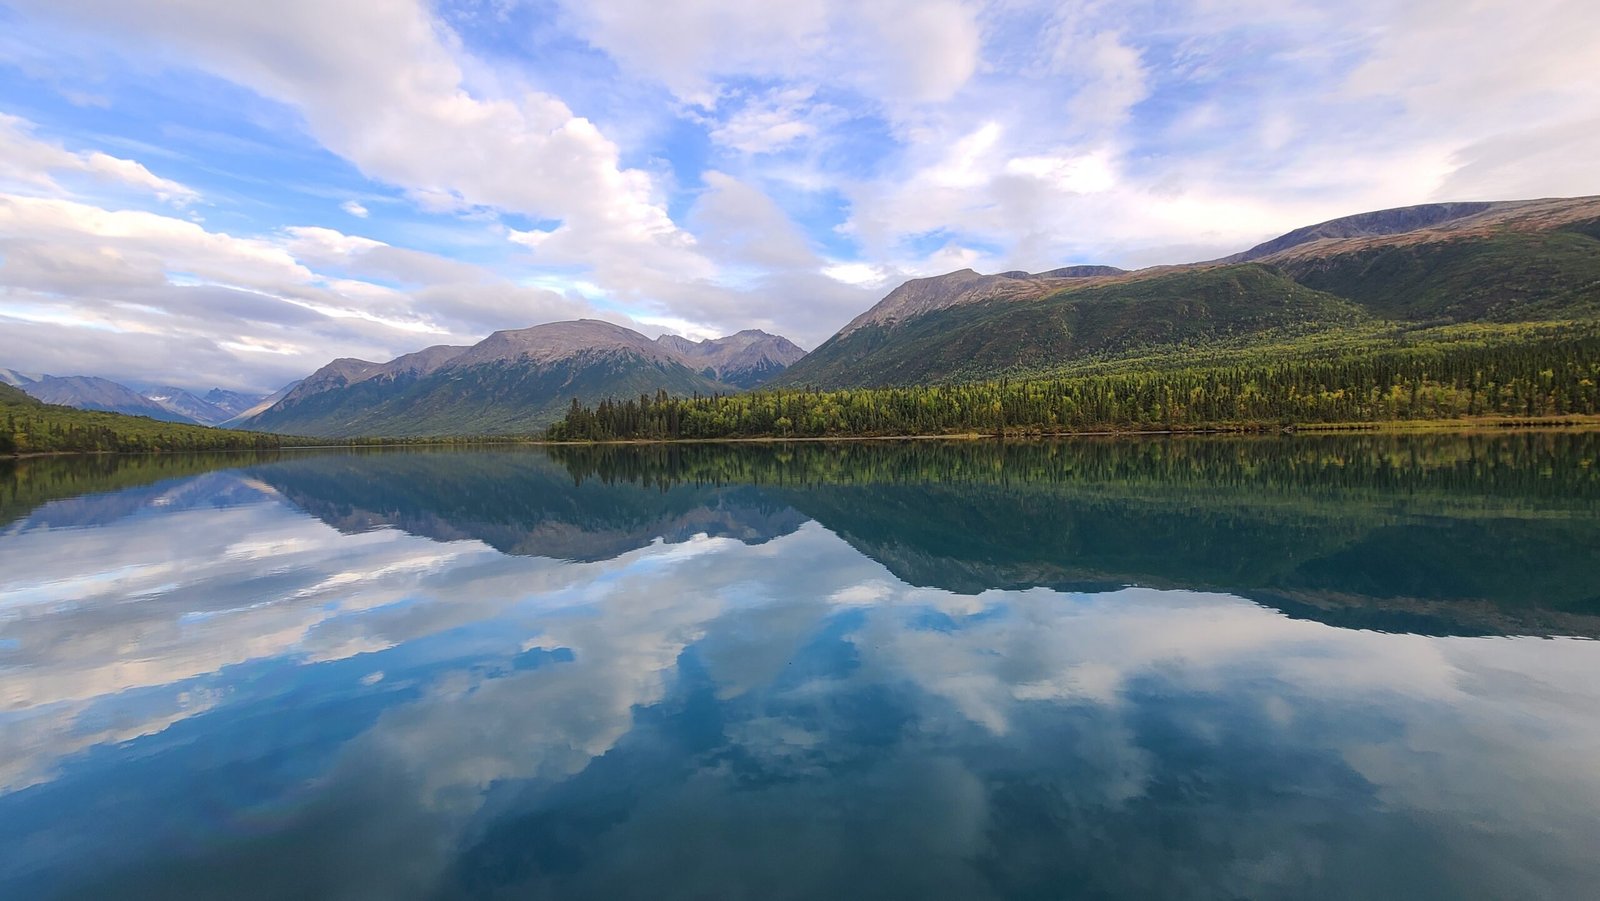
{"x": 228, "y": 194}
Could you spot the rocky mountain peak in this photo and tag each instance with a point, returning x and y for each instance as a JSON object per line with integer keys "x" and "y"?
{"x": 920, "y": 296}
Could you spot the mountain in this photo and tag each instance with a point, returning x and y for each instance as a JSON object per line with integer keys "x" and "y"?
{"x": 995, "y": 336}
{"x": 1506, "y": 261}
{"x": 231, "y": 402}
{"x": 260, "y": 406}
{"x": 922, "y": 296}
{"x": 343, "y": 374}
{"x": 166, "y": 403}
{"x": 1517, "y": 261}
{"x": 511, "y": 382}
{"x": 193, "y": 408}
{"x": 16, "y": 396}
{"x": 746, "y": 359}
{"x": 15, "y": 379}
{"x": 1432, "y": 221}
{"x": 31, "y": 426}
{"x": 1366, "y": 225}
{"x": 90, "y": 393}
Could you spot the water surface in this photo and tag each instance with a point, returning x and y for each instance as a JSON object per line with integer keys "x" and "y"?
{"x": 1300, "y": 667}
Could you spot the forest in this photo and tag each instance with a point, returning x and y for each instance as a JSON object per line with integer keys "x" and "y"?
{"x": 1510, "y": 371}
{"x": 30, "y": 427}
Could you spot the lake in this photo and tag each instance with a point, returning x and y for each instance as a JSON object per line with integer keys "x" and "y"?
{"x": 1270, "y": 667}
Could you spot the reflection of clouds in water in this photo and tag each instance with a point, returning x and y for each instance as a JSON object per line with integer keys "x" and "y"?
{"x": 861, "y": 724}
{"x": 130, "y": 626}
{"x": 292, "y": 587}
{"x": 1021, "y": 660}
{"x": 637, "y": 617}
{"x": 33, "y": 740}
{"x": 1044, "y": 645}
{"x": 1479, "y": 744}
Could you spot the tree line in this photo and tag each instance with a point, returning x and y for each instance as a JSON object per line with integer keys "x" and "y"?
{"x": 1552, "y": 374}
{"x": 32, "y": 428}
{"x": 1515, "y": 465}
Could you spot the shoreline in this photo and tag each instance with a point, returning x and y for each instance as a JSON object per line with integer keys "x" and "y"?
{"x": 1474, "y": 425}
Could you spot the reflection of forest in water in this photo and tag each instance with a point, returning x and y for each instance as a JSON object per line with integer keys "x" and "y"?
{"x": 1450, "y": 534}
{"x": 1436, "y": 533}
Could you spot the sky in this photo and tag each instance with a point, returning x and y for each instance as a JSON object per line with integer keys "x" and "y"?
{"x": 232, "y": 194}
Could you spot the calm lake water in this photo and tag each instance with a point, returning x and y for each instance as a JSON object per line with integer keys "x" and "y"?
{"x": 1297, "y": 667}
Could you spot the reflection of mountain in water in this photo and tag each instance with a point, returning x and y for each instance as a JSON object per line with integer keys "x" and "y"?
{"x": 518, "y": 502}
{"x": 1360, "y": 568}
{"x": 1452, "y": 535}
{"x": 74, "y": 490}
{"x": 1433, "y": 534}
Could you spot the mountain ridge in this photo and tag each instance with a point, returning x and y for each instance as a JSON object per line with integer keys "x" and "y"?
{"x": 744, "y": 359}
{"x": 1496, "y": 261}
{"x": 513, "y": 381}
{"x": 1513, "y": 261}
{"x": 920, "y": 296}
{"x": 87, "y": 392}
{"x": 164, "y": 403}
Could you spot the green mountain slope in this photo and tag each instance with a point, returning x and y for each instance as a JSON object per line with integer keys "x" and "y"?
{"x": 1173, "y": 309}
{"x": 29, "y": 426}
{"x": 1492, "y": 262}
{"x": 495, "y": 398}
{"x": 1509, "y": 277}
{"x": 516, "y": 381}
{"x": 10, "y": 395}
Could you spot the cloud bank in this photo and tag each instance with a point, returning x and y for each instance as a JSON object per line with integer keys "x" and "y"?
{"x": 258, "y": 190}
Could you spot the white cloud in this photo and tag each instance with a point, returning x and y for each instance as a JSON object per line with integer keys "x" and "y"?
{"x": 27, "y": 161}
{"x": 772, "y": 121}
{"x": 1000, "y": 134}
{"x": 354, "y": 208}
{"x": 745, "y": 227}
{"x": 921, "y": 50}
{"x": 1087, "y": 174}
{"x": 860, "y": 274}
{"x": 1110, "y": 73}
{"x": 151, "y": 297}
{"x": 378, "y": 83}
{"x": 898, "y": 51}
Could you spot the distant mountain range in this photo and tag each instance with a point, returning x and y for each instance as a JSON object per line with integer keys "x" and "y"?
{"x": 516, "y": 381}
{"x": 166, "y": 404}
{"x": 1518, "y": 261}
{"x": 746, "y": 359}
{"x": 1493, "y": 262}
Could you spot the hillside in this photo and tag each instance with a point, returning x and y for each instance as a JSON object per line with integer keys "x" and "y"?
{"x": 91, "y": 393}
{"x": 166, "y": 403}
{"x": 15, "y": 397}
{"x": 29, "y": 426}
{"x": 1508, "y": 277}
{"x": 1491, "y": 374}
{"x": 1502, "y": 262}
{"x": 215, "y": 408}
{"x": 922, "y": 296}
{"x": 259, "y": 407}
{"x": 512, "y": 382}
{"x": 1003, "y": 336}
